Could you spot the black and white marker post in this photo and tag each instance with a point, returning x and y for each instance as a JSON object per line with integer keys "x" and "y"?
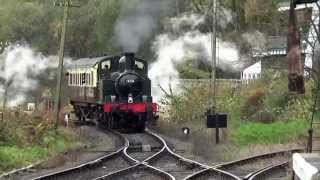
{"x": 214, "y": 119}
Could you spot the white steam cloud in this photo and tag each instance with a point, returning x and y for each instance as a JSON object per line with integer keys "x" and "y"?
{"x": 20, "y": 68}
{"x": 256, "y": 39}
{"x": 189, "y": 43}
{"x": 135, "y": 25}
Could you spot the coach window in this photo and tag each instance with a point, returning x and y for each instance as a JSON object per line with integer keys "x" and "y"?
{"x": 71, "y": 79}
{"x": 83, "y": 78}
{"x": 92, "y": 78}
{"x": 78, "y": 79}
{"x": 88, "y": 79}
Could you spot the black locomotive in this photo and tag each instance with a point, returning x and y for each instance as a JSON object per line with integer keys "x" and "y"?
{"x": 114, "y": 91}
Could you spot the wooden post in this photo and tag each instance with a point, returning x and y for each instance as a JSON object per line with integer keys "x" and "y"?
{"x": 295, "y": 68}
{"x": 66, "y": 4}
{"x": 214, "y": 64}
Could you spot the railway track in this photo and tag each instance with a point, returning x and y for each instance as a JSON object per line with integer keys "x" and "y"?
{"x": 164, "y": 164}
{"x": 141, "y": 156}
{"x": 101, "y": 143}
{"x": 107, "y": 163}
{"x": 270, "y": 165}
{"x": 275, "y": 172}
{"x": 147, "y": 156}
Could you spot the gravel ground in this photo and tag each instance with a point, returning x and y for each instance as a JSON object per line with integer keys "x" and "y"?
{"x": 209, "y": 176}
{"x": 98, "y": 143}
{"x": 104, "y": 168}
{"x": 245, "y": 169}
{"x": 284, "y": 173}
{"x": 183, "y": 146}
{"x": 141, "y": 174}
{"x": 172, "y": 165}
{"x": 142, "y": 145}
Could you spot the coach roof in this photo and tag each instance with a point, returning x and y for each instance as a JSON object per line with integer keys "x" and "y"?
{"x": 87, "y": 62}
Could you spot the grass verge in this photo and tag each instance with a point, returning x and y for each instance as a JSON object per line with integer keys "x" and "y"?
{"x": 51, "y": 143}
{"x": 274, "y": 133}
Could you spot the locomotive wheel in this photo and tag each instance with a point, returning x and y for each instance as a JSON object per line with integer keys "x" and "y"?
{"x": 141, "y": 124}
{"x": 111, "y": 122}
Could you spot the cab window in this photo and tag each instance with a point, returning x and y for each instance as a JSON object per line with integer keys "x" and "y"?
{"x": 106, "y": 65}
{"x": 139, "y": 65}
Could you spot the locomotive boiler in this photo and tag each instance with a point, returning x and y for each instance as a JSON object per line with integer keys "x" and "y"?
{"x": 113, "y": 91}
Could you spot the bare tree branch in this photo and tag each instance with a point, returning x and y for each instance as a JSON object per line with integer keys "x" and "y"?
{"x": 315, "y": 30}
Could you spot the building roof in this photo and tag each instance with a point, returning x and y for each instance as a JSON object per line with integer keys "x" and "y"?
{"x": 253, "y": 69}
{"x": 277, "y": 42}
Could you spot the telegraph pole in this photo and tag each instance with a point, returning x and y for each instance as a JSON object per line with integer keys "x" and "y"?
{"x": 66, "y": 4}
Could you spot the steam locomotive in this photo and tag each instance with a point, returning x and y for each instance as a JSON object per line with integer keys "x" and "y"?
{"x": 113, "y": 91}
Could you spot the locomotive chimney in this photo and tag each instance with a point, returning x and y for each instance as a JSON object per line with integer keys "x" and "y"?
{"x": 129, "y": 59}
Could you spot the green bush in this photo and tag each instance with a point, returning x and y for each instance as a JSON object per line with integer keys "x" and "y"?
{"x": 253, "y": 104}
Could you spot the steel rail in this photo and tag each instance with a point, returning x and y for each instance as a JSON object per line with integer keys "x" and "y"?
{"x": 225, "y": 166}
{"x": 165, "y": 149}
{"x": 256, "y": 157}
{"x": 177, "y": 156}
{"x": 143, "y": 164}
{"x": 121, "y": 151}
{"x": 263, "y": 173}
{"x": 220, "y": 174}
{"x": 136, "y": 167}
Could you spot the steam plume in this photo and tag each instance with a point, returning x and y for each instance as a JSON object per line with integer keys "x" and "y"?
{"x": 136, "y": 25}
{"x": 20, "y": 68}
{"x": 172, "y": 48}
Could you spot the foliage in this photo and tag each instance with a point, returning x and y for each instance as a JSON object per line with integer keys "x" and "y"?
{"x": 91, "y": 27}
{"x": 187, "y": 106}
{"x": 254, "y": 103}
{"x": 191, "y": 102}
{"x": 22, "y": 129}
{"x": 12, "y": 156}
{"x": 25, "y": 138}
{"x": 249, "y": 108}
{"x": 188, "y": 71}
